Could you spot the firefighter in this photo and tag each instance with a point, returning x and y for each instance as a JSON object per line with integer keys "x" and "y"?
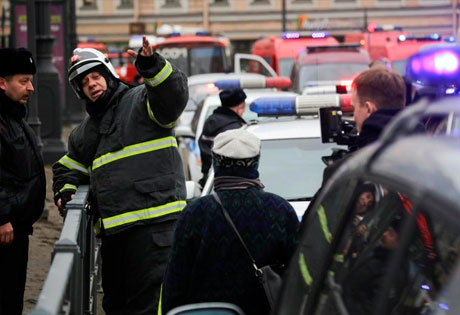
{"x": 22, "y": 176}
{"x": 127, "y": 151}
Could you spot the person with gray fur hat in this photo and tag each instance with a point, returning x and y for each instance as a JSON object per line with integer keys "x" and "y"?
{"x": 204, "y": 238}
{"x": 226, "y": 117}
{"x": 22, "y": 176}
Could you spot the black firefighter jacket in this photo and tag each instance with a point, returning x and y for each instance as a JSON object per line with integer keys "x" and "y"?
{"x": 22, "y": 175}
{"x": 130, "y": 154}
{"x": 222, "y": 119}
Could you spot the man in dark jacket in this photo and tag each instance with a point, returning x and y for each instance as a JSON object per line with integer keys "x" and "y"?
{"x": 226, "y": 117}
{"x": 127, "y": 150}
{"x": 208, "y": 263}
{"x": 22, "y": 176}
{"x": 378, "y": 94}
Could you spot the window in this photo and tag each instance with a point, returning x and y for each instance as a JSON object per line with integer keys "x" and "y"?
{"x": 89, "y": 3}
{"x": 220, "y": 3}
{"x": 125, "y": 4}
{"x": 389, "y": 3}
{"x": 318, "y": 227}
{"x": 171, "y": 6}
{"x": 171, "y": 3}
{"x": 393, "y": 255}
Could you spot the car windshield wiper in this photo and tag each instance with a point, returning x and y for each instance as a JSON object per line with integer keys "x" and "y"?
{"x": 300, "y": 199}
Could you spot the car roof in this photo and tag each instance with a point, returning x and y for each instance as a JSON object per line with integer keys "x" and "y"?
{"x": 410, "y": 161}
{"x": 287, "y": 128}
{"x": 211, "y": 77}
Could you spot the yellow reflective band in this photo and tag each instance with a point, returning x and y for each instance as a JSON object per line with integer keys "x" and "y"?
{"x": 143, "y": 214}
{"x": 152, "y": 117}
{"x": 135, "y": 149}
{"x": 159, "y": 301}
{"x": 304, "y": 270}
{"x": 339, "y": 258}
{"x": 97, "y": 226}
{"x": 161, "y": 76}
{"x": 73, "y": 165}
{"x": 323, "y": 222}
{"x": 68, "y": 186}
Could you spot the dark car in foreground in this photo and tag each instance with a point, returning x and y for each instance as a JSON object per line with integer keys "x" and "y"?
{"x": 382, "y": 236}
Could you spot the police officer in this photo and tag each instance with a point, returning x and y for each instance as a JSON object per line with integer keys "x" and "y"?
{"x": 22, "y": 176}
{"x": 127, "y": 151}
{"x": 226, "y": 117}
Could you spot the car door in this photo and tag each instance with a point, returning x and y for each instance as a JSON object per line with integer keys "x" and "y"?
{"x": 247, "y": 63}
{"x": 396, "y": 257}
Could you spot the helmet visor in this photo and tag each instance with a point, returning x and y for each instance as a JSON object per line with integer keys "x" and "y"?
{"x": 82, "y": 67}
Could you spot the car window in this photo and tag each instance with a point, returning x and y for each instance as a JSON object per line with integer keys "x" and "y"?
{"x": 328, "y": 72}
{"x": 395, "y": 257}
{"x": 311, "y": 254}
{"x": 299, "y": 160}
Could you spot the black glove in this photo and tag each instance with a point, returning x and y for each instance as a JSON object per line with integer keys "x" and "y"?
{"x": 65, "y": 197}
{"x": 203, "y": 180}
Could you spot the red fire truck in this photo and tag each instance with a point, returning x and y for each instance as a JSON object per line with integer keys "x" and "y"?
{"x": 281, "y": 53}
{"x": 196, "y": 54}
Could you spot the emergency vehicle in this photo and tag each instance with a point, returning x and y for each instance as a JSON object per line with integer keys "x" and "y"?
{"x": 95, "y": 45}
{"x": 328, "y": 65}
{"x": 405, "y": 46}
{"x": 124, "y": 65}
{"x": 376, "y": 37}
{"x": 281, "y": 52}
{"x": 196, "y": 54}
{"x": 288, "y": 126}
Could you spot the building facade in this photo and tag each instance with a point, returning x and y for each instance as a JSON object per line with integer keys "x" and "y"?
{"x": 114, "y": 21}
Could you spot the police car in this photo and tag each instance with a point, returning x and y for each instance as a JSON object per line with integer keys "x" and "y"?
{"x": 189, "y": 148}
{"x": 201, "y": 85}
{"x": 291, "y": 163}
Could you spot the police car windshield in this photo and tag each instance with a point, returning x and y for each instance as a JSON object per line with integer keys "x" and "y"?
{"x": 248, "y": 115}
{"x": 329, "y": 72}
{"x": 292, "y": 168}
{"x": 286, "y": 65}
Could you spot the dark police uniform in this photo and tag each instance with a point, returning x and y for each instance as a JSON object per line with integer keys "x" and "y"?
{"x": 22, "y": 185}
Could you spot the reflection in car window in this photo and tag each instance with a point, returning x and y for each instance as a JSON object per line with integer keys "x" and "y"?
{"x": 397, "y": 259}
{"x": 312, "y": 253}
{"x": 286, "y": 65}
{"x": 328, "y": 72}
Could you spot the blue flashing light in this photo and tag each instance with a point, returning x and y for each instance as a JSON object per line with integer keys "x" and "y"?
{"x": 425, "y": 287}
{"x": 450, "y": 91}
{"x": 274, "y": 106}
{"x": 174, "y": 34}
{"x": 202, "y": 33}
{"x": 227, "y": 84}
{"x": 319, "y": 35}
{"x": 435, "y": 36}
{"x": 450, "y": 39}
{"x": 443, "y": 306}
{"x": 401, "y": 38}
{"x": 290, "y": 35}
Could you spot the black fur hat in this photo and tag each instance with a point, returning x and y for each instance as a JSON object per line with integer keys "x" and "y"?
{"x": 16, "y": 61}
{"x": 232, "y": 97}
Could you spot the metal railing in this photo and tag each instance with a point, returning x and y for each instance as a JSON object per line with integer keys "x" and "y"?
{"x": 72, "y": 281}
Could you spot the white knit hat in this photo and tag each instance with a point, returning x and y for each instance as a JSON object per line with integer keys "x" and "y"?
{"x": 236, "y": 144}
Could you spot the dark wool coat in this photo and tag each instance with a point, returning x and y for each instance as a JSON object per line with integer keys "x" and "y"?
{"x": 22, "y": 174}
{"x": 208, "y": 262}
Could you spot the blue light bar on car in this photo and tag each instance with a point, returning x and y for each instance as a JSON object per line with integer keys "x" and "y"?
{"x": 254, "y": 83}
{"x": 319, "y": 35}
{"x": 299, "y": 105}
{"x": 290, "y": 35}
{"x": 435, "y": 66}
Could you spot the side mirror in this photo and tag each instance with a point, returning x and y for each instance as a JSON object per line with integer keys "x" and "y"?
{"x": 214, "y": 308}
{"x": 193, "y": 190}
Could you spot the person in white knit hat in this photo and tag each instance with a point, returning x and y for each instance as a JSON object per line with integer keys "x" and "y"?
{"x": 207, "y": 261}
